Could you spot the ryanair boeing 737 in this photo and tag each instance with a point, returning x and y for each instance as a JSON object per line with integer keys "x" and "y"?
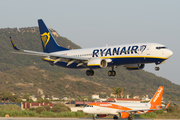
{"x": 132, "y": 56}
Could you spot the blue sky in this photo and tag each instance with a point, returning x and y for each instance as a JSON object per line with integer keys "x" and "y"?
{"x": 93, "y": 23}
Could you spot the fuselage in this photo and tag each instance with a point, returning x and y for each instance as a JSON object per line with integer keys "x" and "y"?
{"x": 119, "y": 54}
{"x": 125, "y": 110}
{"x": 114, "y": 108}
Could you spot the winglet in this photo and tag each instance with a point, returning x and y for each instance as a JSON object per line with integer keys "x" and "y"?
{"x": 168, "y": 104}
{"x": 14, "y": 46}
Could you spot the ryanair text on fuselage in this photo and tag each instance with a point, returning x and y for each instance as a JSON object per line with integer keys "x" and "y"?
{"x": 117, "y": 51}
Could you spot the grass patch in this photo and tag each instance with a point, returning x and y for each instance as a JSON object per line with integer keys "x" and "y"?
{"x": 23, "y": 113}
{"x": 10, "y": 107}
{"x": 148, "y": 115}
{"x": 18, "y": 113}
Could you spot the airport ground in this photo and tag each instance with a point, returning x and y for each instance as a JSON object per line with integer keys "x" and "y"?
{"x": 27, "y": 118}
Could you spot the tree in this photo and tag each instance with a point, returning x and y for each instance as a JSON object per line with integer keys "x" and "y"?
{"x": 40, "y": 109}
{"x": 39, "y": 100}
{"x": 18, "y": 100}
{"x": 60, "y": 108}
{"x": 6, "y": 95}
{"x": 46, "y": 101}
{"x": 120, "y": 92}
{"x": 115, "y": 91}
{"x": 26, "y": 96}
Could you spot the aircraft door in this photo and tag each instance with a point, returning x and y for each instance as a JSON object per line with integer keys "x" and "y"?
{"x": 148, "y": 50}
{"x": 162, "y": 52}
{"x": 98, "y": 110}
{"x": 97, "y": 107}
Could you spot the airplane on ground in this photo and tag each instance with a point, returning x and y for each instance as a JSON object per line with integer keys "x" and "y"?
{"x": 125, "y": 110}
{"x": 132, "y": 56}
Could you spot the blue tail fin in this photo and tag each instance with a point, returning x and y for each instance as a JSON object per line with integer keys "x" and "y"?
{"x": 48, "y": 42}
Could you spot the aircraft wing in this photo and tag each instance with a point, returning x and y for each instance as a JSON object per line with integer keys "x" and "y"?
{"x": 27, "y": 52}
{"x": 142, "y": 110}
{"x": 134, "y": 111}
{"x": 54, "y": 56}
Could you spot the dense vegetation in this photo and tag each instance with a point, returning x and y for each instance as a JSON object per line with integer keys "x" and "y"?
{"x": 25, "y": 74}
{"x": 45, "y": 111}
{"x": 15, "y": 111}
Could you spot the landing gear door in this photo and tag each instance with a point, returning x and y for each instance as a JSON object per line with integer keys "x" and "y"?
{"x": 148, "y": 50}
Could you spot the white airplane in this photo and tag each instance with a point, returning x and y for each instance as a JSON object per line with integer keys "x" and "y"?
{"x": 125, "y": 110}
{"x": 132, "y": 56}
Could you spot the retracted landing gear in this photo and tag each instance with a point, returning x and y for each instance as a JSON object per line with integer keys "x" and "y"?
{"x": 112, "y": 72}
{"x": 115, "y": 117}
{"x": 90, "y": 72}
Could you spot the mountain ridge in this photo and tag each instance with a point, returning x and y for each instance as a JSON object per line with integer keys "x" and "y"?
{"x": 13, "y": 66}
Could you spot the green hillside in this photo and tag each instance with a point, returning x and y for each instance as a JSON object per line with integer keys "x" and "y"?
{"x": 23, "y": 73}
{"x": 25, "y": 38}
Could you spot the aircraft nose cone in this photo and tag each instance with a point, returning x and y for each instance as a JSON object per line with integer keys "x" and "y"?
{"x": 85, "y": 110}
{"x": 170, "y": 53}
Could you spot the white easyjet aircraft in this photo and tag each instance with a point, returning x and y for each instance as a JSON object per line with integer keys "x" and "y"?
{"x": 125, "y": 110}
{"x": 132, "y": 56}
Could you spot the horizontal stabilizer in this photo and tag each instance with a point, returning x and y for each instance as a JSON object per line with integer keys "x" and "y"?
{"x": 168, "y": 104}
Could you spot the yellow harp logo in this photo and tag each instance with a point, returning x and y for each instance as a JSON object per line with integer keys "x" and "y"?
{"x": 45, "y": 38}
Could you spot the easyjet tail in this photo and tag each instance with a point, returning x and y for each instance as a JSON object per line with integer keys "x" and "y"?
{"x": 158, "y": 96}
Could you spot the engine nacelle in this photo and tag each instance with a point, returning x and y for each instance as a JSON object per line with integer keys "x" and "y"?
{"x": 97, "y": 63}
{"x": 135, "y": 66}
{"x": 101, "y": 115}
{"x": 124, "y": 114}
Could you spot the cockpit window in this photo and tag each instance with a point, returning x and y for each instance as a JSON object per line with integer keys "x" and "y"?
{"x": 161, "y": 48}
{"x": 89, "y": 106}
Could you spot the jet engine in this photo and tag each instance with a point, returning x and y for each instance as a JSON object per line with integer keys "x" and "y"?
{"x": 97, "y": 63}
{"x": 101, "y": 115}
{"x": 124, "y": 114}
{"x": 135, "y": 66}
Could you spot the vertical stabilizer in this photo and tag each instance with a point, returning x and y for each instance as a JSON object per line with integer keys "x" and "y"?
{"x": 48, "y": 42}
{"x": 158, "y": 96}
